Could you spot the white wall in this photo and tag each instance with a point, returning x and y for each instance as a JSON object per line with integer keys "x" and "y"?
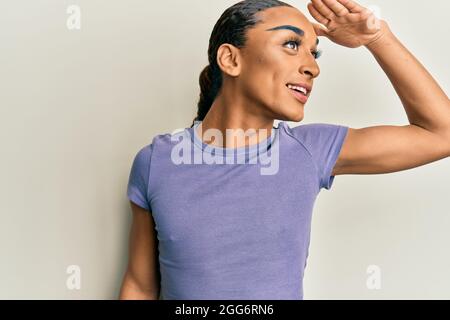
{"x": 75, "y": 107}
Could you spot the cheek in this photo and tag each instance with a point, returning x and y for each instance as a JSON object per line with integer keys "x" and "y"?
{"x": 263, "y": 85}
{"x": 264, "y": 77}
{"x": 273, "y": 70}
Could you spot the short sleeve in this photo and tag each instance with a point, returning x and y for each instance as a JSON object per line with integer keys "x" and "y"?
{"x": 139, "y": 178}
{"x": 324, "y": 142}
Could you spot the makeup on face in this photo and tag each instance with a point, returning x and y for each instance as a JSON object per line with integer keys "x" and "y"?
{"x": 298, "y": 31}
{"x": 317, "y": 53}
{"x": 300, "y": 96}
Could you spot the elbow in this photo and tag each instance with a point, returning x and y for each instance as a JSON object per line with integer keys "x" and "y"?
{"x": 132, "y": 290}
{"x": 132, "y": 293}
{"x": 445, "y": 136}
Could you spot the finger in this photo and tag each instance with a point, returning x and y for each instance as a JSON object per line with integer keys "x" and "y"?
{"x": 323, "y": 9}
{"x": 337, "y": 8}
{"x": 354, "y": 17}
{"x": 316, "y": 14}
{"x": 365, "y": 13}
{"x": 320, "y": 30}
{"x": 352, "y": 6}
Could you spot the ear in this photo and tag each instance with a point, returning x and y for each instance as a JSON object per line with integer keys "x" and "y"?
{"x": 229, "y": 59}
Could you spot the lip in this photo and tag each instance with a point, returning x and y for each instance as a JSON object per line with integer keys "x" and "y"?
{"x": 306, "y": 86}
{"x": 302, "y": 98}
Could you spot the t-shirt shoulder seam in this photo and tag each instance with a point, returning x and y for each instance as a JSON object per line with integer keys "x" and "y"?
{"x": 307, "y": 150}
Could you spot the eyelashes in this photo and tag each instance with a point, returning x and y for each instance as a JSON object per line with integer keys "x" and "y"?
{"x": 317, "y": 54}
{"x": 297, "y": 41}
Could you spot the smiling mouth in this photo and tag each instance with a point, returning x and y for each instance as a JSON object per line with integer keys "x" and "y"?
{"x": 298, "y": 94}
{"x": 299, "y": 89}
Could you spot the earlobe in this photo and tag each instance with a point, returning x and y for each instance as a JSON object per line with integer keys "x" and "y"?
{"x": 229, "y": 59}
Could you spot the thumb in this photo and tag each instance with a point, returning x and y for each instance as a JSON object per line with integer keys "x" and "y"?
{"x": 320, "y": 30}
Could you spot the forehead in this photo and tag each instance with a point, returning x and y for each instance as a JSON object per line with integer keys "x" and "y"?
{"x": 275, "y": 17}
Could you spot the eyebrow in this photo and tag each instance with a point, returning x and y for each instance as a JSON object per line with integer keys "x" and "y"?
{"x": 298, "y": 31}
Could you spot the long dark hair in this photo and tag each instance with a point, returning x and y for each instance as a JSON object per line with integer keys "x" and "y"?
{"x": 230, "y": 28}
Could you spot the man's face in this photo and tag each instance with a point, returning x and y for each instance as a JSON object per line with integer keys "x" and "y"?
{"x": 272, "y": 60}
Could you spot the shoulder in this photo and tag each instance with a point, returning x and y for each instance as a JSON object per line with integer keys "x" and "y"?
{"x": 168, "y": 140}
{"x": 324, "y": 143}
{"x": 141, "y": 165}
{"x": 158, "y": 142}
{"x": 316, "y": 135}
{"x": 305, "y": 131}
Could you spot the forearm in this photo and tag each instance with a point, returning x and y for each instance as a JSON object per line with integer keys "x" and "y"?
{"x": 425, "y": 103}
{"x": 131, "y": 290}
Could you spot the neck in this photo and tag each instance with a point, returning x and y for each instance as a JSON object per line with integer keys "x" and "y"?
{"x": 230, "y": 114}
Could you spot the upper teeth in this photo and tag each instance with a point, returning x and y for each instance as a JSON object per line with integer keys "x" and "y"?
{"x": 302, "y": 89}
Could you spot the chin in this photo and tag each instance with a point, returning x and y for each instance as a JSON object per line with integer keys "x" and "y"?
{"x": 296, "y": 116}
{"x": 289, "y": 112}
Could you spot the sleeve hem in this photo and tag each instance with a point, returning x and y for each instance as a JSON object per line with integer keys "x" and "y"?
{"x": 138, "y": 202}
{"x": 328, "y": 179}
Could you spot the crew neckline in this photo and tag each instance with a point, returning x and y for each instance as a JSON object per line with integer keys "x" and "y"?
{"x": 259, "y": 148}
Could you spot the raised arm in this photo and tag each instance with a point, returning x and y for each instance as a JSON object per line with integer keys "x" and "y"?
{"x": 142, "y": 278}
{"x": 384, "y": 149}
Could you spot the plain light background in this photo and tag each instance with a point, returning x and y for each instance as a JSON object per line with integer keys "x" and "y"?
{"x": 77, "y": 105}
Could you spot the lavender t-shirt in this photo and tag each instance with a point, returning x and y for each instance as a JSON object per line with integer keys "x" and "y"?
{"x": 229, "y": 229}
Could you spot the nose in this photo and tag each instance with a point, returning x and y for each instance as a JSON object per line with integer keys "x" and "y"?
{"x": 310, "y": 67}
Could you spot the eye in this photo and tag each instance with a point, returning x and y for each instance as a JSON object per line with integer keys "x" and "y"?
{"x": 317, "y": 54}
{"x": 295, "y": 41}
